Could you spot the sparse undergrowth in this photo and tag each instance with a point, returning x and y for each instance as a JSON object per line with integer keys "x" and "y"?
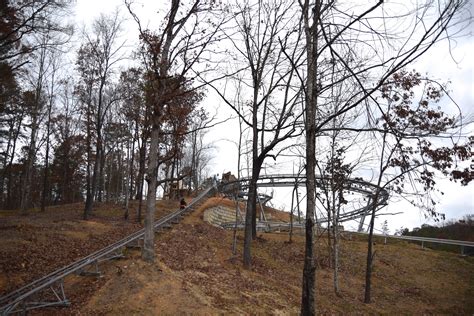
{"x": 196, "y": 273}
{"x": 35, "y": 245}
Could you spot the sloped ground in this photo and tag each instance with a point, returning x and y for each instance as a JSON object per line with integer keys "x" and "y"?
{"x": 196, "y": 273}
{"x": 34, "y": 245}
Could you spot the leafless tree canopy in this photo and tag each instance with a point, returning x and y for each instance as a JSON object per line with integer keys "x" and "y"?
{"x": 326, "y": 85}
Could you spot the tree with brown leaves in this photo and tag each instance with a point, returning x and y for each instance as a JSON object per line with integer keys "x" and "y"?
{"x": 415, "y": 142}
{"x": 169, "y": 55}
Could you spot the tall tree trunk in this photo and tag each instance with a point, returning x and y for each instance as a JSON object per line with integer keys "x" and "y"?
{"x": 93, "y": 183}
{"x": 308, "y": 306}
{"x": 237, "y": 206}
{"x": 7, "y": 168}
{"x": 333, "y": 221}
{"x": 101, "y": 176}
{"x": 370, "y": 256}
{"x": 234, "y": 235}
{"x": 63, "y": 195}
{"x": 370, "y": 253}
{"x": 6, "y": 154}
{"x": 127, "y": 193}
{"x": 291, "y": 214}
{"x": 167, "y": 184}
{"x": 329, "y": 223}
{"x": 298, "y": 204}
{"x": 45, "y": 194}
{"x": 148, "y": 251}
{"x": 252, "y": 197}
{"x": 8, "y": 201}
{"x": 336, "y": 252}
{"x": 14, "y": 132}
{"x": 250, "y": 212}
{"x": 193, "y": 181}
{"x": 173, "y": 195}
{"x": 132, "y": 162}
{"x": 119, "y": 174}
{"x": 140, "y": 179}
{"x": 31, "y": 155}
{"x": 89, "y": 194}
{"x": 28, "y": 176}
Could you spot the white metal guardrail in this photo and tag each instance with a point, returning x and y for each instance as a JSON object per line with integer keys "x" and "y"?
{"x": 461, "y": 243}
{"x": 272, "y": 226}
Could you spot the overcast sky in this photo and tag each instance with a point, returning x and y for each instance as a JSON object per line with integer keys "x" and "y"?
{"x": 446, "y": 61}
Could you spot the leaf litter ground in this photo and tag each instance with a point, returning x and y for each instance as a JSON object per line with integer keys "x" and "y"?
{"x": 196, "y": 272}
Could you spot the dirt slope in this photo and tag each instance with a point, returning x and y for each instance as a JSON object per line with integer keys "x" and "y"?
{"x": 35, "y": 245}
{"x": 196, "y": 273}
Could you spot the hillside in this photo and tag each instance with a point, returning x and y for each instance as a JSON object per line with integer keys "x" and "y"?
{"x": 195, "y": 273}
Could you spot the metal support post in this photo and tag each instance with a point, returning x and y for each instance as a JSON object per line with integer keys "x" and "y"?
{"x": 298, "y": 203}
{"x": 95, "y": 272}
{"x": 262, "y": 213}
{"x": 362, "y": 218}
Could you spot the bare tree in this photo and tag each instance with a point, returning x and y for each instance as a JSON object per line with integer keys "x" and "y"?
{"x": 265, "y": 30}
{"x": 12, "y": 116}
{"x": 69, "y": 149}
{"x": 377, "y": 51}
{"x": 97, "y": 59}
{"x": 56, "y": 60}
{"x": 311, "y": 103}
{"x": 332, "y": 165}
{"x": 38, "y": 79}
{"x": 22, "y": 21}
{"x": 133, "y": 111}
{"x": 198, "y": 155}
{"x": 29, "y": 31}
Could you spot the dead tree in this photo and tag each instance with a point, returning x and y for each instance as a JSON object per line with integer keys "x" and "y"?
{"x": 264, "y": 31}
{"x": 96, "y": 61}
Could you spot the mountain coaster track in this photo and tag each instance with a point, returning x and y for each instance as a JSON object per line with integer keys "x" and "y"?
{"x": 355, "y": 185}
{"x": 23, "y": 299}
{"x": 238, "y": 188}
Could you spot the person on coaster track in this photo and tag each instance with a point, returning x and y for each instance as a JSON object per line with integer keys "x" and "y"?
{"x": 182, "y": 203}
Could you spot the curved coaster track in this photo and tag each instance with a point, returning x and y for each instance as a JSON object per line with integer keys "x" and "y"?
{"x": 48, "y": 291}
{"x": 376, "y": 196}
{"x": 238, "y": 189}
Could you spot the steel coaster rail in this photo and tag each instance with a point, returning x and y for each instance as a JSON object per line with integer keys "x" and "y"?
{"x": 281, "y": 180}
{"x": 354, "y": 184}
{"x": 17, "y": 297}
{"x": 73, "y": 266}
